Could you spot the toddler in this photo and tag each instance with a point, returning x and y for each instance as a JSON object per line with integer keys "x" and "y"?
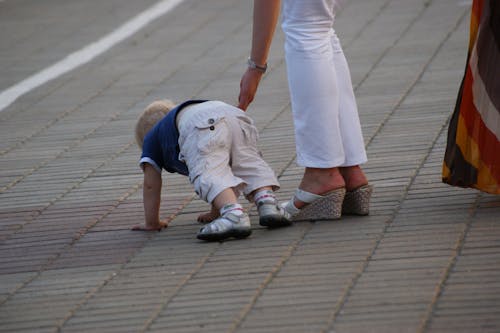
{"x": 215, "y": 145}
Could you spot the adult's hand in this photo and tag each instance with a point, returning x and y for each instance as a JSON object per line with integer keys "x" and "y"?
{"x": 248, "y": 87}
{"x": 265, "y": 17}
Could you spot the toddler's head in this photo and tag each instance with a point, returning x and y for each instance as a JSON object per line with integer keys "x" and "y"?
{"x": 153, "y": 113}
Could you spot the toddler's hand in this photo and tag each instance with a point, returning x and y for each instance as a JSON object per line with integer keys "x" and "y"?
{"x": 143, "y": 227}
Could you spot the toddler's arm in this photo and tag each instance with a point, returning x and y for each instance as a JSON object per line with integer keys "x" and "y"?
{"x": 151, "y": 199}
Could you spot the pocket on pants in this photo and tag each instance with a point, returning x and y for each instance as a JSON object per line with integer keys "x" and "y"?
{"x": 208, "y": 146}
{"x": 212, "y": 134}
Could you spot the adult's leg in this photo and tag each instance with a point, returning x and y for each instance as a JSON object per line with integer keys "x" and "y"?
{"x": 313, "y": 91}
{"x": 352, "y": 137}
{"x": 316, "y": 90}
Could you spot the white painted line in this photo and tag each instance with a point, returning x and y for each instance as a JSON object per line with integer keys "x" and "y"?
{"x": 86, "y": 54}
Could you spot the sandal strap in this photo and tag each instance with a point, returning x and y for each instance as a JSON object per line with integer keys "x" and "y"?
{"x": 222, "y": 222}
{"x": 290, "y": 208}
{"x": 306, "y": 197}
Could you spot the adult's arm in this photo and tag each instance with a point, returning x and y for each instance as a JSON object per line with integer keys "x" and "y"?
{"x": 265, "y": 17}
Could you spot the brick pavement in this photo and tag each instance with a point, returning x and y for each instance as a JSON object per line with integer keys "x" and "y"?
{"x": 427, "y": 259}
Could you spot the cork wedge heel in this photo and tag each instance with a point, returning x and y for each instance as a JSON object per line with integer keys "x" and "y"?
{"x": 318, "y": 207}
{"x": 357, "y": 202}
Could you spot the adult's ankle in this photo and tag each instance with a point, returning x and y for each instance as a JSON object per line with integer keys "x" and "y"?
{"x": 320, "y": 181}
{"x": 354, "y": 177}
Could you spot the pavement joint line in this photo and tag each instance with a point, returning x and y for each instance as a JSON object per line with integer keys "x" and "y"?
{"x": 155, "y": 315}
{"x": 151, "y": 320}
{"x": 272, "y": 67}
{"x": 85, "y": 136}
{"x": 368, "y": 23}
{"x": 386, "y": 51}
{"x": 358, "y": 34}
{"x": 78, "y": 235}
{"x": 277, "y": 268}
{"x": 81, "y": 139}
{"x": 74, "y": 144}
{"x": 176, "y": 290}
{"x": 7, "y": 114}
{"x": 99, "y": 93}
{"x": 285, "y": 107}
{"x": 440, "y": 286}
{"x": 46, "y": 127}
{"x": 282, "y": 62}
{"x": 343, "y": 300}
{"x": 418, "y": 76}
{"x": 87, "y": 53}
{"x": 115, "y": 273}
{"x": 345, "y": 296}
{"x": 88, "y": 295}
{"x": 179, "y": 40}
{"x": 379, "y": 144}
{"x": 394, "y": 43}
{"x": 76, "y": 184}
{"x": 269, "y": 278}
{"x": 116, "y": 115}
{"x": 223, "y": 70}
{"x": 90, "y": 225}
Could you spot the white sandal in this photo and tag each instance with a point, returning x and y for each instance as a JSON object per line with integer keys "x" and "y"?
{"x": 318, "y": 207}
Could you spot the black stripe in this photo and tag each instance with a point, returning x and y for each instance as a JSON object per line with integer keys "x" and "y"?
{"x": 462, "y": 173}
{"x": 488, "y": 51}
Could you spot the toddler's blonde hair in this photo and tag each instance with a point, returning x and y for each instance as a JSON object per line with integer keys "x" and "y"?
{"x": 153, "y": 113}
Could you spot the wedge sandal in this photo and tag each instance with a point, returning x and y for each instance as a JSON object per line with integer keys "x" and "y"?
{"x": 318, "y": 207}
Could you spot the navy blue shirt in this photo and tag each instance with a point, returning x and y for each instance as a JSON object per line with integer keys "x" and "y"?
{"x": 161, "y": 143}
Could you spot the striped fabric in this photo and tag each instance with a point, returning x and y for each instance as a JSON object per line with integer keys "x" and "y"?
{"x": 472, "y": 156}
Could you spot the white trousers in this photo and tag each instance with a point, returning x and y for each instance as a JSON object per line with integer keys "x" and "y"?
{"x": 218, "y": 142}
{"x": 327, "y": 128}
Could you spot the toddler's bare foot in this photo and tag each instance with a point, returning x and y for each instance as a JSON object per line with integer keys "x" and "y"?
{"x": 209, "y": 216}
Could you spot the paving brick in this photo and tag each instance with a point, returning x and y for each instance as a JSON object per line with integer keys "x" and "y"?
{"x": 426, "y": 259}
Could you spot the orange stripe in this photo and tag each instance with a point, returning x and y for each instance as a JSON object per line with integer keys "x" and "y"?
{"x": 485, "y": 179}
{"x": 478, "y": 144}
{"x": 487, "y": 141}
{"x": 446, "y": 171}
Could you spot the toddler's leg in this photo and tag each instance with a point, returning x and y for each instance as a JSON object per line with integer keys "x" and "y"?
{"x": 232, "y": 222}
{"x": 271, "y": 214}
{"x": 228, "y": 196}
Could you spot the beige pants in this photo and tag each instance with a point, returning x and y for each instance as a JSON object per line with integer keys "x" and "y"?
{"x": 218, "y": 142}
